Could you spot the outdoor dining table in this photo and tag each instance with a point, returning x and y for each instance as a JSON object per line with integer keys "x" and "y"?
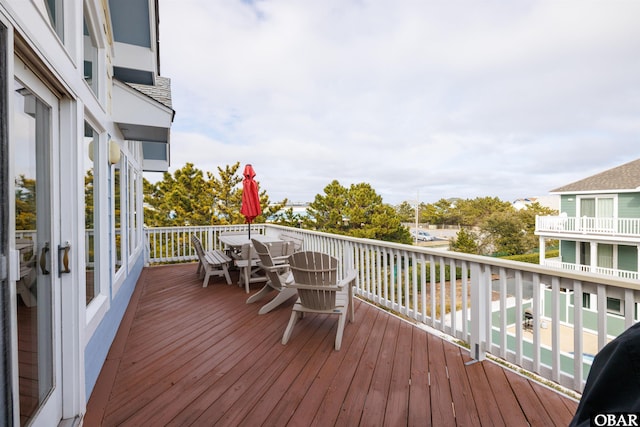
{"x": 235, "y": 242}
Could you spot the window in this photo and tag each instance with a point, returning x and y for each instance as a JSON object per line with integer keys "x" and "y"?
{"x": 135, "y": 236}
{"x": 116, "y": 214}
{"x": 605, "y": 255}
{"x": 615, "y": 306}
{"x": 52, "y": 9}
{"x": 597, "y": 213}
{"x": 90, "y": 148}
{"x": 90, "y": 47}
{"x": 588, "y": 208}
{"x": 585, "y": 253}
{"x": 586, "y": 300}
{"x": 131, "y": 209}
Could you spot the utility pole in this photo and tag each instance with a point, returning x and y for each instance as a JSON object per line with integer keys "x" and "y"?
{"x": 415, "y": 236}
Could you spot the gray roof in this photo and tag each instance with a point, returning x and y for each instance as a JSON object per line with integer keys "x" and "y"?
{"x": 161, "y": 91}
{"x": 624, "y": 177}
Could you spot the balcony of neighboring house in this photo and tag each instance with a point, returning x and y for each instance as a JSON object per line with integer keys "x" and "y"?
{"x": 439, "y": 337}
{"x": 564, "y": 227}
{"x": 606, "y": 246}
{"x": 595, "y": 269}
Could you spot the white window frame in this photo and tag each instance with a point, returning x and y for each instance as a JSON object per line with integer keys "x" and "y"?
{"x": 92, "y": 18}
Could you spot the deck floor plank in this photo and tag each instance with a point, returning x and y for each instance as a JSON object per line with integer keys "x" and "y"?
{"x": 360, "y": 387}
{"x": 442, "y": 413}
{"x": 464, "y": 406}
{"x": 483, "y": 395}
{"x": 506, "y": 400}
{"x": 328, "y": 388}
{"x": 397, "y": 404}
{"x": 377, "y": 398}
{"x": 187, "y": 355}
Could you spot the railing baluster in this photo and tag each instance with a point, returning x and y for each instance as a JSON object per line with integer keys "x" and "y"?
{"x": 555, "y": 328}
{"x": 503, "y": 313}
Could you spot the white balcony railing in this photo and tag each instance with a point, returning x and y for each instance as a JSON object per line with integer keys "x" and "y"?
{"x": 489, "y": 295}
{"x": 624, "y": 227}
{"x": 624, "y": 274}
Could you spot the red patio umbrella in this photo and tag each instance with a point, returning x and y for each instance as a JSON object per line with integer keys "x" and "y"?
{"x": 250, "y": 197}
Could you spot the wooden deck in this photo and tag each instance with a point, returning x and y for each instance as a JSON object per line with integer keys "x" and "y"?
{"x": 187, "y": 355}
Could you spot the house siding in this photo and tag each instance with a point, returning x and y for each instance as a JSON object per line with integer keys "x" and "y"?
{"x": 628, "y": 258}
{"x": 568, "y": 204}
{"x": 568, "y": 251}
{"x": 98, "y": 346}
{"x": 629, "y": 205}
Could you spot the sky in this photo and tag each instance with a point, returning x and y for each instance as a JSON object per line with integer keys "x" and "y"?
{"x": 421, "y": 99}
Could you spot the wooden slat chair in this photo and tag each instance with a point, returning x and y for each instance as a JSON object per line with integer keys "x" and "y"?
{"x": 294, "y": 240}
{"x": 277, "y": 271}
{"x": 211, "y": 263}
{"x": 247, "y": 262}
{"x": 319, "y": 291}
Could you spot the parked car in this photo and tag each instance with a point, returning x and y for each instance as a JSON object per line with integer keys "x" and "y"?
{"x": 422, "y": 236}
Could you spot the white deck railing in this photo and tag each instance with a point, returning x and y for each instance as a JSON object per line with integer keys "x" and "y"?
{"x": 629, "y": 227}
{"x": 490, "y": 296}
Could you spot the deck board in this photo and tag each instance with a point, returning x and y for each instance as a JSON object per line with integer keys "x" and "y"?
{"x": 187, "y": 355}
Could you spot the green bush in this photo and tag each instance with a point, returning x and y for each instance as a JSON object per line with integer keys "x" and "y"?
{"x": 533, "y": 258}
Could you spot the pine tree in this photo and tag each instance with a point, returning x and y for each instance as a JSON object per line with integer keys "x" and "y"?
{"x": 355, "y": 211}
{"x": 187, "y": 198}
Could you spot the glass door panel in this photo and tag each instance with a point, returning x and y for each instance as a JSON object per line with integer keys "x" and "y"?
{"x": 605, "y": 255}
{"x": 605, "y": 214}
{"x": 32, "y": 136}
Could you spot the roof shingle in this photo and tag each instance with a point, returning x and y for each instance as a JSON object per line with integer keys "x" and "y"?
{"x": 624, "y": 177}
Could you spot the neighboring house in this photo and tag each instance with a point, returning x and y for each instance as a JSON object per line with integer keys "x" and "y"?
{"x": 598, "y": 228}
{"x": 551, "y": 202}
{"x": 83, "y": 113}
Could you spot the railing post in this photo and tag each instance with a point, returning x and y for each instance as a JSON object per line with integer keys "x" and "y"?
{"x": 347, "y": 257}
{"x": 147, "y": 248}
{"x": 478, "y": 310}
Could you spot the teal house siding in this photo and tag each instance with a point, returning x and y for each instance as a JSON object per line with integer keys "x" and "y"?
{"x": 568, "y": 205}
{"x": 628, "y": 258}
{"x": 629, "y": 205}
{"x": 568, "y": 251}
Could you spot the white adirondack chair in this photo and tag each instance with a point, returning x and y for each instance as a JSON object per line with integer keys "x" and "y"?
{"x": 315, "y": 279}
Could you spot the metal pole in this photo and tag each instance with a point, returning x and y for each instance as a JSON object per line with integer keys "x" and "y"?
{"x": 417, "y": 209}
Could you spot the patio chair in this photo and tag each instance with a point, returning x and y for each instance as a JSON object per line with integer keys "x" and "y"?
{"x": 211, "y": 263}
{"x": 247, "y": 262}
{"x": 314, "y": 275}
{"x": 294, "y": 240}
{"x": 277, "y": 272}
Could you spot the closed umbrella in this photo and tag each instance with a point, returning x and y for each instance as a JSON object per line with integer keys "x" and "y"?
{"x": 250, "y": 197}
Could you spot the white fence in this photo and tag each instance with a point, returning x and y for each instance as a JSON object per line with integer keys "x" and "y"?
{"x": 489, "y": 295}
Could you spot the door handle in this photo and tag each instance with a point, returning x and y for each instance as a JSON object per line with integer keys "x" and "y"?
{"x": 63, "y": 259}
{"x": 43, "y": 259}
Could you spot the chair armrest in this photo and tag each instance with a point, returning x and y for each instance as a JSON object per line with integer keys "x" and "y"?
{"x": 348, "y": 278}
{"x": 314, "y": 287}
{"x": 275, "y": 268}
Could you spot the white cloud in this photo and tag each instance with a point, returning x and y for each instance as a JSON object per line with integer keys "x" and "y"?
{"x": 452, "y": 99}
